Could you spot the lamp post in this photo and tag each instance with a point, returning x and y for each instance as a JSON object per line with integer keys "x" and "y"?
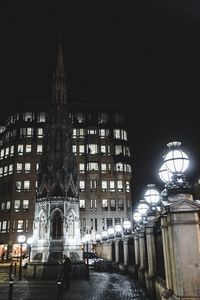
{"x": 29, "y": 242}
{"x": 87, "y": 240}
{"x": 176, "y": 163}
{"x": 21, "y": 240}
{"x": 127, "y": 227}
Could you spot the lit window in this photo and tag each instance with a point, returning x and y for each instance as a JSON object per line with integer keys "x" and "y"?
{"x": 29, "y": 132}
{"x": 19, "y": 225}
{"x": 10, "y": 169}
{"x": 39, "y": 149}
{"x": 103, "y": 168}
{"x": 82, "y": 185}
{"x": 112, "y": 186}
{"x": 93, "y": 185}
{"x": 127, "y": 151}
{"x": 81, "y": 168}
{"x": 28, "y": 148}
{"x": 104, "y": 186}
{"x": 74, "y": 149}
{"x": 127, "y": 186}
{"x": 4, "y": 226}
{"x": 26, "y": 185}
{"x": 92, "y": 149}
{"x": 80, "y": 117}
{"x": 81, "y": 149}
{"x": 27, "y": 168}
{"x": 103, "y": 149}
{"x": 7, "y": 152}
{"x": 119, "y": 166}
{"x": 104, "y": 204}
{"x": 12, "y": 150}
{"x": 19, "y": 167}
{"x": 8, "y": 205}
{"x": 5, "y": 172}
{"x": 1, "y": 171}
{"x": 74, "y": 134}
{"x": 82, "y": 204}
{"x": 40, "y": 132}
{"x": 2, "y": 154}
{"x": 20, "y": 149}
{"x": 41, "y": 117}
{"x": 3, "y": 206}
{"x": 92, "y": 166}
{"x": 17, "y": 205}
{"x": 18, "y": 186}
{"x": 25, "y": 205}
{"x": 128, "y": 168}
{"x": 118, "y": 150}
{"x": 28, "y": 116}
{"x": 37, "y": 167}
{"x": 119, "y": 186}
{"x": 116, "y": 134}
{"x": 92, "y": 131}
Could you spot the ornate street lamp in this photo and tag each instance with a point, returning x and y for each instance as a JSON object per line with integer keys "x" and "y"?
{"x": 165, "y": 174}
{"x": 104, "y": 235}
{"x": 137, "y": 217}
{"x": 143, "y": 207}
{"x": 127, "y": 227}
{"x": 98, "y": 237}
{"x": 118, "y": 230}
{"x": 152, "y": 196}
{"x": 111, "y": 233}
{"x": 176, "y": 162}
{"x": 21, "y": 240}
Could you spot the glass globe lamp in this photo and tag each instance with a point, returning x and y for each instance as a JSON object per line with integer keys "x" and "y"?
{"x": 118, "y": 230}
{"x": 176, "y": 161}
{"x": 104, "y": 235}
{"x": 151, "y": 196}
{"x": 164, "y": 174}
{"x": 111, "y": 232}
{"x": 137, "y": 217}
{"x": 142, "y": 207}
{"x": 98, "y": 237}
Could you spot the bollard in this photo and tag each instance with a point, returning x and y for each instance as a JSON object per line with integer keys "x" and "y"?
{"x": 34, "y": 273}
{"x": 59, "y": 290}
{"x": 10, "y": 270}
{"x": 15, "y": 269}
{"x": 10, "y": 295}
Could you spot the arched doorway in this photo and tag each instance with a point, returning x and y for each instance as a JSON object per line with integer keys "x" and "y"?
{"x": 57, "y": 226}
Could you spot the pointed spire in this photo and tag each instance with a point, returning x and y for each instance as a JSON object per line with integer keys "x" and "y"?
{"x": 60, "y": 59}
{"x": 59, "y": 94}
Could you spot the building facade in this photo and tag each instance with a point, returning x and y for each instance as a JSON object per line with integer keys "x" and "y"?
{"x": 99, "y": 142}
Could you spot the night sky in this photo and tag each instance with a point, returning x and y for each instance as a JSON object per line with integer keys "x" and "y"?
{"x": 143, "y": 55}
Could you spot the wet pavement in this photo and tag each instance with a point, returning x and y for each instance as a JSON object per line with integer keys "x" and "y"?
{"x": 100, "y": 286}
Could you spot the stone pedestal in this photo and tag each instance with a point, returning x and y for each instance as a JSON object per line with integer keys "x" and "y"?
{"x": 181, "y": 237}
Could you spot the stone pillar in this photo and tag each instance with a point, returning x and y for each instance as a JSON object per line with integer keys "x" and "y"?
{"x": 125, "y": 245}
{"x": 142, "y": 251}
{"x": 151, "y": 254}
{"x": 183, "y": 238}
{"x": 137, "y": 249}
{"x": 117, "y": 251}
{"x": 109, "y": 249}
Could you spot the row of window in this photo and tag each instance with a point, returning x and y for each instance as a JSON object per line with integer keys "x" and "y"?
{"x": 104, "y": 167}
{"x": 106, "y": 204}
{"x": 100, "y": 149}
{"x": 103, "y": 133}
{"x": 20, "y": 168}
{"x": 21, "y": 149}
{"x": 106, "y": 185}
{"x": 15, "y": 226}
{"x": 99, "y": 224}
{"x": 18, "y": 205}
{"x": 78, "y": 117}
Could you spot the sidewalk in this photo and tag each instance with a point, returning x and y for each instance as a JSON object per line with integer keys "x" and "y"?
{"x": 100, "y": 286}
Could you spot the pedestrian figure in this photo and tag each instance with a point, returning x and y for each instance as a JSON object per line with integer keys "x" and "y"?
{"x": 2, "y": 256}
{"x": 66, "y": 271}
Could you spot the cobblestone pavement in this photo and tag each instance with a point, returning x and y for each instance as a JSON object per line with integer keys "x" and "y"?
{"x": 100, "y": 286}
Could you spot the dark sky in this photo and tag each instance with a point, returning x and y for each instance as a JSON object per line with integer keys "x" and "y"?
{"x": 143, "y": 55}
